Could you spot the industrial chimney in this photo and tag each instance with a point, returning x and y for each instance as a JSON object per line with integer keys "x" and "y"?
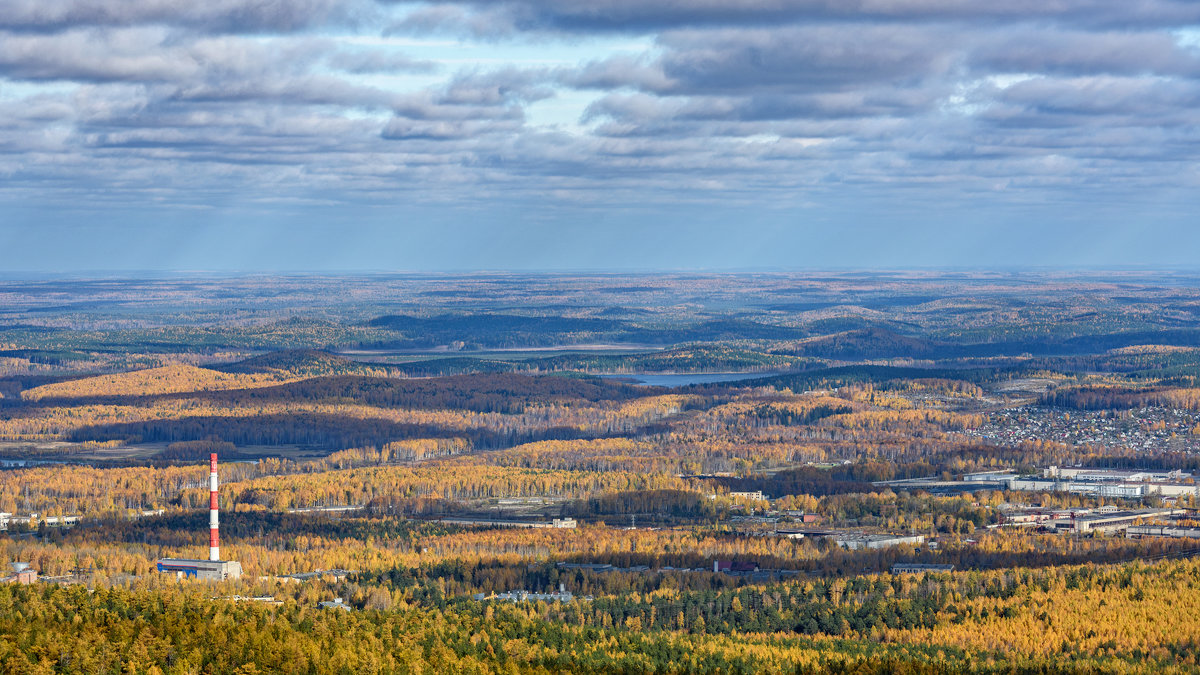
{"x": 213, "y": 569}
{"x": 214, "y": 546}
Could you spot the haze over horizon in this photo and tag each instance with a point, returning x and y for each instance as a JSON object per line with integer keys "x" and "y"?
{"x": 532, "y": 135}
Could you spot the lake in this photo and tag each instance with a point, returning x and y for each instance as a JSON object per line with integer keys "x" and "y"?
{"x": 683, "y": 379}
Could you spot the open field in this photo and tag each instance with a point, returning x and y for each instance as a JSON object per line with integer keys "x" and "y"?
{"x": 428, "y": 442}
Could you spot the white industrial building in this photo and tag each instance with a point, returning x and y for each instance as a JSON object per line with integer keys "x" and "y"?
{"x": 756, "y": 495}
{"x": 855, "y": 540}
{"x": 1109, "y": 521}
{"x": 1118, "y": 489}
{"x": 1163, "y": 531}
{"x": 206, "y": 570}
{"x": 1088, "y": 474}
{"x": 990, "y": 476}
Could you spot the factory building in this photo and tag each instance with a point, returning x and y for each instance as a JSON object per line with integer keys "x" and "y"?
{"x": 1109, "y": 521}
{"x": 1088, "y": 474}
{"x": 855, "y": 541}
{"x": 22, "y": 574}
{"x": 1174, "y": 489}
{"x": 756, "y": 495}
{"x": 1117, "y": 483}
{"x": 213, "y": 569}
{"x": 205, "y": 570}
{"x": 1004, "y": 476}
{"x": 1098, "y": 488}
{"x": 1120, "y": 490}
{"x": 1137, "y": 531}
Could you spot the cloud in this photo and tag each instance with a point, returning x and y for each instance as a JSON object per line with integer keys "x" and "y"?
{"x": 196, "y": 69}
{"x": 1065, "y": 51}
{"x": 378, "y": 61}
{"x": 405, "y": 129}
{"x": 618, "y": 72}
{"x": 754, "y": 102}
{"x": 486, "y": 22}
{"x": 93, "y": 56}
{"x": 640, "y": 16}
{"x": 472, "y": 107}
{"x": 801, "y": 58}
{"x": 496, "y": 86}
{"x": 230, "y": 16}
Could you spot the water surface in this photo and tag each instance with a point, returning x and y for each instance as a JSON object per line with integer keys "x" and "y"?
{"x": 684, "y": 379}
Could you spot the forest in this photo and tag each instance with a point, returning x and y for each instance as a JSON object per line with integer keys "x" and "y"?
{"x": 677, "y": 466}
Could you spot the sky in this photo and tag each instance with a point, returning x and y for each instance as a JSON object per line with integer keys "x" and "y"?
{"x": 598, "y": 134}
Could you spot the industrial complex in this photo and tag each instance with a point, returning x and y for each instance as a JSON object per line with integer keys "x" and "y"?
{"x": 213, "y": 569}
{"x": 1087, "y": 481}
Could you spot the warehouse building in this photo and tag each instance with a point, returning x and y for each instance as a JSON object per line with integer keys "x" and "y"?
{"x": 855, "y": 541}
{"x": 205, "y": 570}
{"x": 1136, "y": 531}
{"x": 1110, "y": 521}
{"x": 1089, "y": 474}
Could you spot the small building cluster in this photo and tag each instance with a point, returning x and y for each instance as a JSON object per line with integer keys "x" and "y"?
{"x": 22, "y": 574}
{"x": 33, "y": 520}
{"x": 1150, "y": 429}
{"x": 851, "y": 539}
{"x": 556, "y": 523}
{"x": 735, "y": 566}
{"x": 601, "y": 567}
{"x": 1105, "y": 520}
{"x": 333, "y": 575}
{"x": 561, "y": 595}
{"x": 1125, "y": 484}
{"x": 1111, "y": 521}
{"x": 328, "y": 510}
{"x": 801, "y": 516}
{"x": 263, "y": 599}
{"x": 1092, "y": 482}
{"x": 920, "y": 568}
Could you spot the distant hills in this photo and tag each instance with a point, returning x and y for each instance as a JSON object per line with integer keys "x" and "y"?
{"x": 301, "y": 363}
{"x": 492, "y": 330}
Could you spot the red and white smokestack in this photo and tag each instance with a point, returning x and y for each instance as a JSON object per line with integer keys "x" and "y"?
{"x": 214, "y": 545}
